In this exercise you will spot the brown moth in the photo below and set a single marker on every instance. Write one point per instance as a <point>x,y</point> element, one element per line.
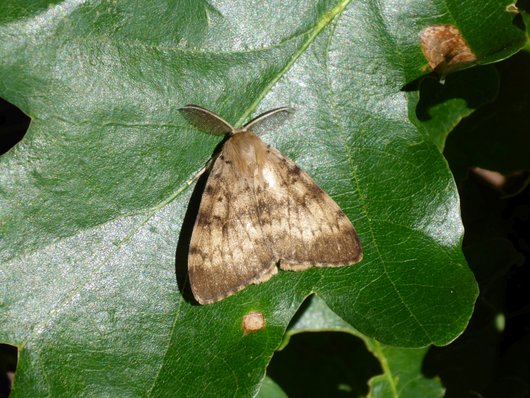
<point>445,49</point>
<point>260,210</point>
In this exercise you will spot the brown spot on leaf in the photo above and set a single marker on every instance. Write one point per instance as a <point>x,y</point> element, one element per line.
<point>445,49</point>
<point>253,321</point>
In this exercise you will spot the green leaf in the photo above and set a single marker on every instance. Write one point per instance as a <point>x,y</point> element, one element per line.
<point>402,376</point>
<point>269,389</point>
<point>94,199</point>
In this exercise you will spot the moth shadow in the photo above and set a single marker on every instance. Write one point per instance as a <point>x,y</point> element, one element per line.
<point>183,245</point>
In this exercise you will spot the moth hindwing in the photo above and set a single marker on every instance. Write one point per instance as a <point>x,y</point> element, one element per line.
<point>260,210</point>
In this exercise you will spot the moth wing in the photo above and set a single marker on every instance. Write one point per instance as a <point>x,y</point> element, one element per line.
<point>307,227</point>
<point>228,249</point>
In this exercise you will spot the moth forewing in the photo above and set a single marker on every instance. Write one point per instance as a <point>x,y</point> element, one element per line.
<point>308,228</point>
<point>228,250</point>
<point>260,210</point>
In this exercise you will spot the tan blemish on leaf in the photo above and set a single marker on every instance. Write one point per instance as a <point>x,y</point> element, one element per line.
<point>445,49</point>
<point>253,321</point>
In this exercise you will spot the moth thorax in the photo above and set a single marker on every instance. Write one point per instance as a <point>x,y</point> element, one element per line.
<point>246,151</point>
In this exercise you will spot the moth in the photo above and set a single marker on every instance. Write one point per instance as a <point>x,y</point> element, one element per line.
<point>258,211</point>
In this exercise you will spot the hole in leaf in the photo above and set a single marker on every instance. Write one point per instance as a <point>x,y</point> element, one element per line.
<point>327,364</point>
<point>13,125</point>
